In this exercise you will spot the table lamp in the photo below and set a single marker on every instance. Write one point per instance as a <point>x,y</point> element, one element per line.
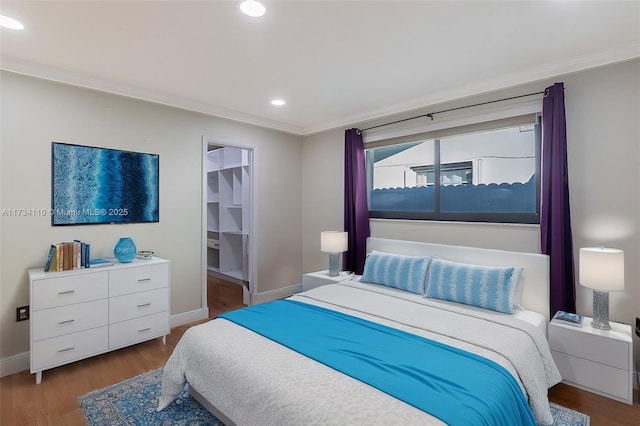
<point>601,269</point>
<point>334,243</point>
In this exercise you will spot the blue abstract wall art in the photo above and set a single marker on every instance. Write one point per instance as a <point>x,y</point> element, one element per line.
<point>91,185</point>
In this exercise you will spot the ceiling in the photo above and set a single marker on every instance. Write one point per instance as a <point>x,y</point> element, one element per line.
<point>336,63</point>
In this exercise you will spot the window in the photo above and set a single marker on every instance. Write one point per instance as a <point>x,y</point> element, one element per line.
<point>486,173</point>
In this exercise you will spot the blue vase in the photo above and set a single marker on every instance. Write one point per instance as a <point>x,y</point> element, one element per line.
<point>125,250</point>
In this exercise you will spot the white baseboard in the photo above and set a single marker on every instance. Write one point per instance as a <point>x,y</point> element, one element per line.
<point>14,364</point>
<point>189,317</point>
<point>280,293</point>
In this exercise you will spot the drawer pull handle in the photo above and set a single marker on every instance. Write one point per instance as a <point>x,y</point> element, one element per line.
<point>143,279</point>
<point>66,321</point>
<point>70,348</point>
<point>142,305</point>
<point>67,292</point>
<point>141,330</point>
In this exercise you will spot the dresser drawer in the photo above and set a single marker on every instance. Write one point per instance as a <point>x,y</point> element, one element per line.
<point>48,323</point>
<point>136,305</point>
<point>70,347</point>
<point>611,352</point>
<point>142,278</point>
<point>602,379</point>
<point>66,290</point>
<point>126,333</point>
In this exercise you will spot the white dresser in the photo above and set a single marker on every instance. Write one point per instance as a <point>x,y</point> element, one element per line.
<point>599,361</point>
<point>85,312</point>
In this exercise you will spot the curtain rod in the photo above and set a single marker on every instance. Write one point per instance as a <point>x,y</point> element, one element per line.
<point>431,114</point>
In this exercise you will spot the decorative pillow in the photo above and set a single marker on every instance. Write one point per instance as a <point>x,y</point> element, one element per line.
<point>393,270</point>
<point>487,287</point>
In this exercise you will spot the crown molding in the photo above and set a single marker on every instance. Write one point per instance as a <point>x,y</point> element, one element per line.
<point>547,71</point>
<point>32,69</point>
<point>568,66</point>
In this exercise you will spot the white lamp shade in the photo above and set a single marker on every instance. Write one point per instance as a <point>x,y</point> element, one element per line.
<point>333,241</point>
<point>602,268</point>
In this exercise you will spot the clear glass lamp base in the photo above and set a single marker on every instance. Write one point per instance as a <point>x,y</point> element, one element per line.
<point>600,310</point>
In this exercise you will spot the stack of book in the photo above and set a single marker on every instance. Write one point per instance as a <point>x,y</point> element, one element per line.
<point>568,318</point>
<point>67,256</point>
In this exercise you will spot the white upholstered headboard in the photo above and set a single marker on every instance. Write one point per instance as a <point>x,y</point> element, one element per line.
<point>535,285</point>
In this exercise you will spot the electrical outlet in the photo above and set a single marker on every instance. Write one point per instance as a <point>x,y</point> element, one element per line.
<point>22,313</point>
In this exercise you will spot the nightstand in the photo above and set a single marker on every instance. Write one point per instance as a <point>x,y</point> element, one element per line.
<point>316,279</point>
<point>599,361</point>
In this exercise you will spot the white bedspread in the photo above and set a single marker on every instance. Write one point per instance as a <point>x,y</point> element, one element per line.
<point>255,381</point>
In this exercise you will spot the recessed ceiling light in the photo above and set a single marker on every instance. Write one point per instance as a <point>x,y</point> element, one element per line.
<point>11,23</point>
<point>252,8</point>
<point>278,102</point>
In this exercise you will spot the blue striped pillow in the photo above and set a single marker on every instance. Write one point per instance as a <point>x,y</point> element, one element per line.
<point>483,286</point>
<point>393,270</point>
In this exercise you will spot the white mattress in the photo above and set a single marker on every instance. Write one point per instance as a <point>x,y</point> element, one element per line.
<point>255,381</point>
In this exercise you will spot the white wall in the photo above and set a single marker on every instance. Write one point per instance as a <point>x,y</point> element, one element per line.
<point>323,196</point>
<point>36,112</point>
<point>603,130</point>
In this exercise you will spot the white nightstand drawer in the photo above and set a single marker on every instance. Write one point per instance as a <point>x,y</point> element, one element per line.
<point>126,333</point>
<point>604,350</point>
<point>595,377</point>
<point>70,347</point>
<point>133,280</point>
<point>69,289</point>
<point>69,319</point>
<point>136,305</point>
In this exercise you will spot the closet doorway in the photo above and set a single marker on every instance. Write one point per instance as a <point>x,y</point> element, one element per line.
<point>227,227</point>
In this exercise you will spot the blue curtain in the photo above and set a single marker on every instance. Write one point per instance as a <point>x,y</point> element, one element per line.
<point>356,210</point>
<point>555,219</point>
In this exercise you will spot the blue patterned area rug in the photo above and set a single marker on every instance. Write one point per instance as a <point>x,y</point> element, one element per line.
<point>563,416</point>
<point>133,402</point>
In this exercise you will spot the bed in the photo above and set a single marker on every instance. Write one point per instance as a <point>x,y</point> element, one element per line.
<point>320,356</point>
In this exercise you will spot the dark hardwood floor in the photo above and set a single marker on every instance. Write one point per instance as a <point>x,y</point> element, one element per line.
<point>54,401</point>
<point>603,411</point>
<point>222,295</point>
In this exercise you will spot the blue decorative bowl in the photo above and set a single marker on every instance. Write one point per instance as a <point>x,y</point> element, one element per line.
<point>125,250</point>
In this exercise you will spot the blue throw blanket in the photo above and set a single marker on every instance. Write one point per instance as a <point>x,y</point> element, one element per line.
<point>458,387</point>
